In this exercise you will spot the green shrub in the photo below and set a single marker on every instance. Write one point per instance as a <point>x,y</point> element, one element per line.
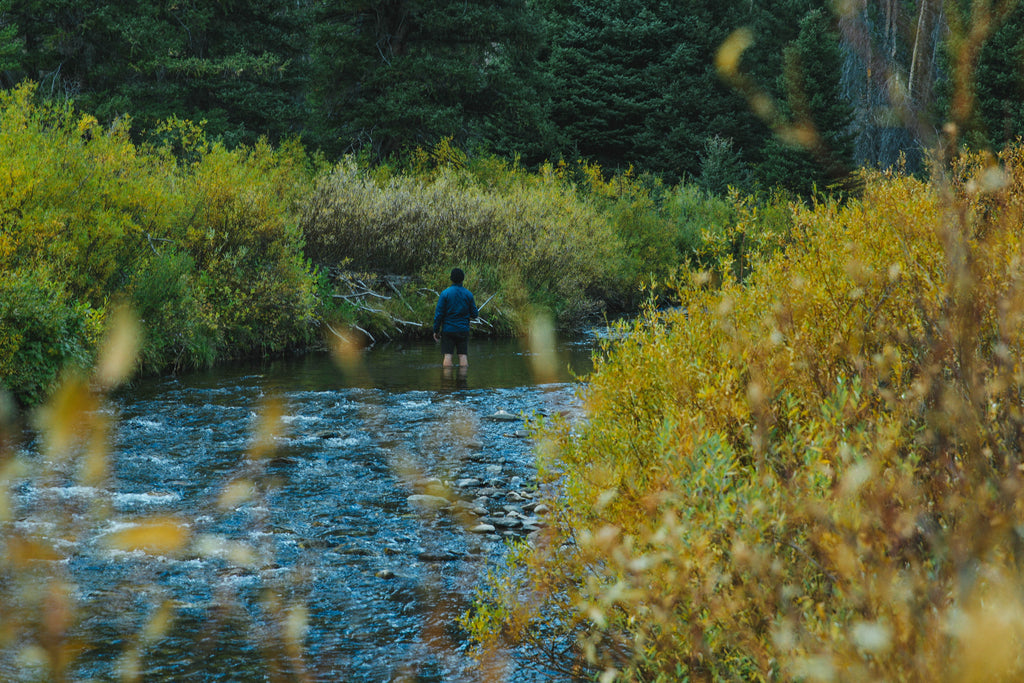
<point>42,334</point>
<point>241,228</point>
<point>700,220</point>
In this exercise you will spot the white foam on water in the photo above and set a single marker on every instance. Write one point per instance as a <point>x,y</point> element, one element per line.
<point>301,419</point>
<point>72,492</point>
<point>132,500</point>
<point>152,425</point>
<point>414,404</point>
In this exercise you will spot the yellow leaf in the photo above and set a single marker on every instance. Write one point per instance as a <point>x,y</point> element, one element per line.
<point>156,535</point>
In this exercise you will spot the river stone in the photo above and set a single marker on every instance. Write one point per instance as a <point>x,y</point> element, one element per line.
<point>516,482</point>
<point>491,491</point>
<point>483,528</point>
<point>541,509</point>
<point>355,551</point>
<point>503,416</point>
<point>493,469</point>
<point>468,482</point>
<point>426,502</point>
<point>471,508</point>
<point>506,522</point>
<point>520,433</point>
<point>442,556</point>
<point>385,574</point>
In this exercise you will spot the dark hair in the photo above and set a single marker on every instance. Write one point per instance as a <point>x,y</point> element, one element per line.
<point>458,276</point>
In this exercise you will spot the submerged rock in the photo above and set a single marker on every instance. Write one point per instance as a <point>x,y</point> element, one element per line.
<point>441,556</point>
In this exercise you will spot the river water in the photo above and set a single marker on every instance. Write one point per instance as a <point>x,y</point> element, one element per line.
<point>327,550</point>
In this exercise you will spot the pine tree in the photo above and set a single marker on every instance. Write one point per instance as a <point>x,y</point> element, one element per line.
<point>10,44</point>
<point>395,74</point>
<point>813,144</point>
<point>639,84</point>
<point>999,85</point>
<point>634,79</point>
<point>235,65</point>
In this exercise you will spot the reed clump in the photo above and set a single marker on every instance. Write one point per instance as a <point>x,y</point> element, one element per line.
<point>813,474</point>
<point>531,239</point>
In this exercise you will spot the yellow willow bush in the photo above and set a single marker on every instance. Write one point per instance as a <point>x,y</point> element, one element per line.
<point>74,195</point>
<point>202,240</point>
<point>815,475</point>
<point>243,233</point>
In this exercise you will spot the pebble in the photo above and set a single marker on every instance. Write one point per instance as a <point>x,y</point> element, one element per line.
<point>497,508</point>
<point>503,416</point>
<point>490,491</point>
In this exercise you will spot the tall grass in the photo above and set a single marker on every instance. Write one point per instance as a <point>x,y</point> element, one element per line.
<point>532,240</point>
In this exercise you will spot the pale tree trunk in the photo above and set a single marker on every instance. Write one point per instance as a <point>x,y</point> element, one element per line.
<point>891,95</point>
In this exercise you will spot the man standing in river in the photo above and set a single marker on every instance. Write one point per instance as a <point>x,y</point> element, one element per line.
<point>455,308</point>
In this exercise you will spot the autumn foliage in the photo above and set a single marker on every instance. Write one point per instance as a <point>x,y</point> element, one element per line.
<point>202,241</point>
<point>814,474</point>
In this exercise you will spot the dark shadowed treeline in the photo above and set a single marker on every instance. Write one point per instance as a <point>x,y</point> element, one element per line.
<point>620,84</point>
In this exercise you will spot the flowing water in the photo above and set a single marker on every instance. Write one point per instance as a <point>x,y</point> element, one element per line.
<point>328,547</point>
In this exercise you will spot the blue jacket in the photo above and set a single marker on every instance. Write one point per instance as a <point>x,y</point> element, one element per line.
<point>455,308</point>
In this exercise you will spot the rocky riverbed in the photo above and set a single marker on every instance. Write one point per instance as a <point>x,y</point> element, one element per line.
<point>386,498</point>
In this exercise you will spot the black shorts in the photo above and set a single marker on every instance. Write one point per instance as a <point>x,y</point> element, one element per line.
<point>455,342</point>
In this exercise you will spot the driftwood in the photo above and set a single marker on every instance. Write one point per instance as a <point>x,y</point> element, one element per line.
<point>357,289</point>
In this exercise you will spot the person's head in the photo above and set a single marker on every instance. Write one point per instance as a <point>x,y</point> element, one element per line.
<point>458,276</point>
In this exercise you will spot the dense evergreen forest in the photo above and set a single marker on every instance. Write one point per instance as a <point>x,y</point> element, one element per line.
<point>622,83</point>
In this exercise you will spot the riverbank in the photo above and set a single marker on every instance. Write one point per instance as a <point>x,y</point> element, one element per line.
<point>257,251</point>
